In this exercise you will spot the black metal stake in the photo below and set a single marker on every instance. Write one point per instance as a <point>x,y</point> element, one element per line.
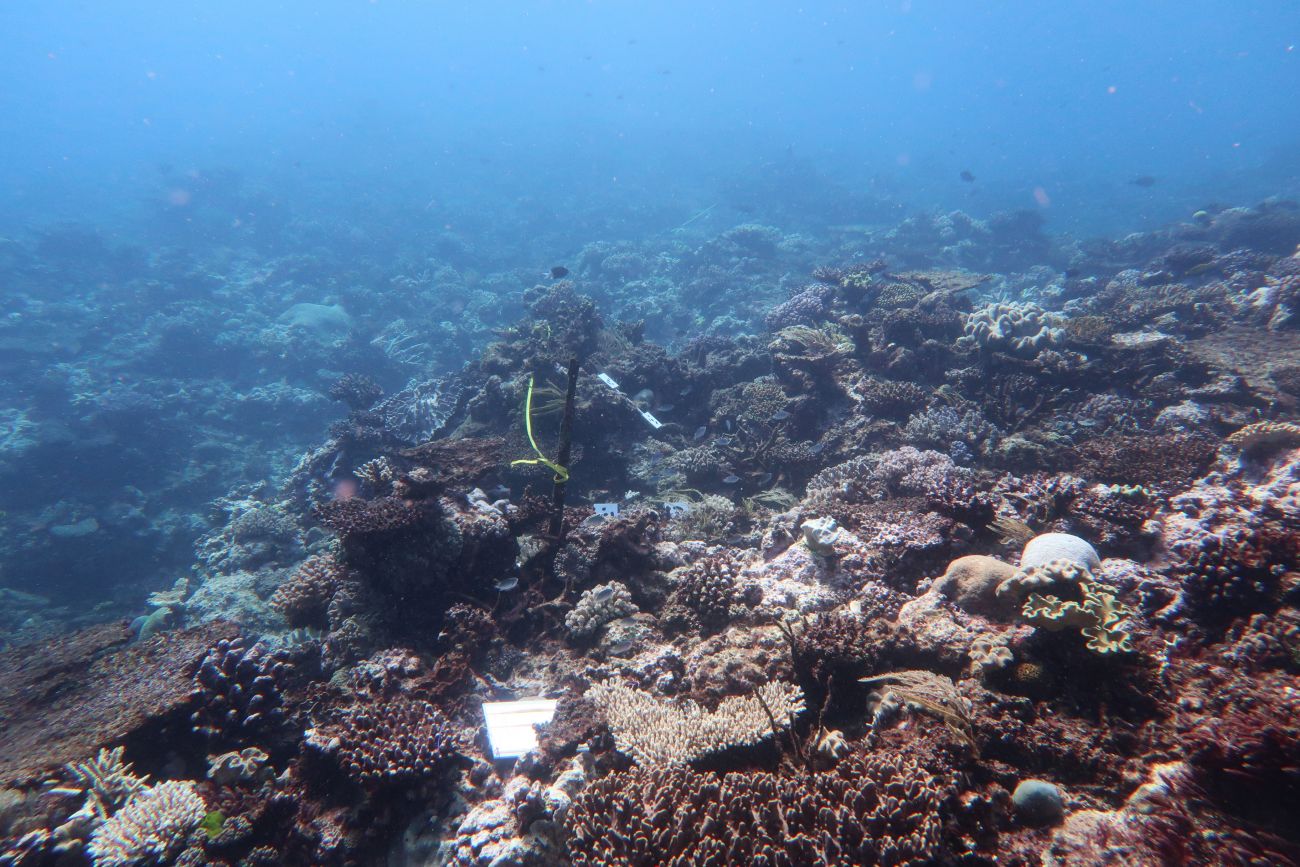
<point>556,528</point>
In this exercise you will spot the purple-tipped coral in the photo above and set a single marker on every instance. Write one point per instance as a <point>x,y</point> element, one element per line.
<point>238,687</point>
<point>400,740</point>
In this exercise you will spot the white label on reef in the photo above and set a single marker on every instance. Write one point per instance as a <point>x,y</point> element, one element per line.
<point>510,724</point>
<point>606,510</point>
<point>651,420</point>
<point>608,380</point>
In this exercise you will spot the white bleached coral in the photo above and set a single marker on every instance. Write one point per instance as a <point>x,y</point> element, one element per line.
<point>152,826</point>
<point>598,606</point>
<point>1021,328</point>
<point>656,733</point>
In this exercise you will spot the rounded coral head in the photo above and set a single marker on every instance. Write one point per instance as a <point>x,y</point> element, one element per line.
<point>1043,549</point>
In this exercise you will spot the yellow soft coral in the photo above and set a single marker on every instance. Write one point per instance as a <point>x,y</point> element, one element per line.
<point>1099,615</point>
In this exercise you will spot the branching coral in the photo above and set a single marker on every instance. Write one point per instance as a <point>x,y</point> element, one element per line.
<point>867,810</point>
<point>399,741</point>
<point>656,733</point>
<point>303,598</point>
<point>109,782</point>
<point>596,607</point>
<point>152,826</point>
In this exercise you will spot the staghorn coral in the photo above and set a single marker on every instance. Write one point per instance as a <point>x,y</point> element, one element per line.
<point>866,810</point>
<point>109,782</point>
<point>1158,461</point>
<point>400,741</point>
<point>1236,570</point>
<point>357,517</point>
<point>377,474</point>
<point>903,472</point>
<point>151,827</point>
<point>887,397</point>
<point>655,733</point>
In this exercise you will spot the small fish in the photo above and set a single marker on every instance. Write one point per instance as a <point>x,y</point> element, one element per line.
<point>967,176</point>
<point>780,415</point>
<point>728,425</point>
<point>499,492</point>
<point>725,441</point>
<point>731,479</point>
<point>604,593</point>
<point>667,407</point>
<point>559,272</point>
<point>701,432</point>
<point>763,479</point>
<point>1143,181</point>
<point>817,449</point>
<point>505,585</point>
<point>620,646</point>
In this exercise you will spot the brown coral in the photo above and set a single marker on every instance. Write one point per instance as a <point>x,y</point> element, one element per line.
<point>868,810</point>
<point>399,741</point>
<point>303,598</point>
<point>64,699</point>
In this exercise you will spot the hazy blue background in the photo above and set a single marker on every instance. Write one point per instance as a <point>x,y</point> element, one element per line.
<point>644,113</point>
<point>175,178</point>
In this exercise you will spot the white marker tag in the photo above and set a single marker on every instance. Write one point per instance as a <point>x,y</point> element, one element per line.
<point>510,724</point>
<point>607,510</point>
<point>651,420</point>
<point>608,380</point>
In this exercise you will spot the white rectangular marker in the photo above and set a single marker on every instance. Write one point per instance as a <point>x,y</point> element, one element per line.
<point>510,724</point>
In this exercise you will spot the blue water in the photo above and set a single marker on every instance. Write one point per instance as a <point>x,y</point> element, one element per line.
<point>177,176</point>
<point>627,116</point>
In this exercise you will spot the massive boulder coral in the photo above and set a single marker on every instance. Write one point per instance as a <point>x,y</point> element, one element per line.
<point>1021,328</point>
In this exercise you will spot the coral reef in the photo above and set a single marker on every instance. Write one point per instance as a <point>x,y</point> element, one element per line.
<point>153,825</point>
<point>657,734</point>
<point>866,810</point>
<point>910,564</point>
